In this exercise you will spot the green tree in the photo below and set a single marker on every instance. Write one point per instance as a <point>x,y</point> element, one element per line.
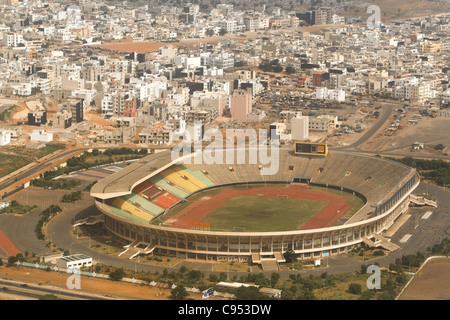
<point>117,274</point>
<point>354,288</point>
<point>222,32</point>
<point>248,293</point>
<point>274,279</point>
<point>290,69</point>
<point>11,261</point>
<point>209,32</point>
<point>179,293</point>
<point>289,256</point>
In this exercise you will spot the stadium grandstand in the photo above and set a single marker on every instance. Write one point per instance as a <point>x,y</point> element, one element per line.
<point>137,202</point>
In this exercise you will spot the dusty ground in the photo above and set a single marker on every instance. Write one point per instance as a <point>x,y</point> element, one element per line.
<point>432,282</point>
<point>398,9</point>
<point>428,131</point>
<point>154,46</point>
<point>101,287</point>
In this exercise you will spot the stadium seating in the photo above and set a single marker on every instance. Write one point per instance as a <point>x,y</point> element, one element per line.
<point>182,179</point>
<point>126,206</point>
<point>143,204</point>
<point>172,188</point>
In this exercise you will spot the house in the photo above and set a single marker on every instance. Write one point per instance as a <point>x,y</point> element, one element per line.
<point>41,135</point>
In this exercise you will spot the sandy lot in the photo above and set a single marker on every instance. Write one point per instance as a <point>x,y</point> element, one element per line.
<point>154,46</point>
<point>432,282</point>
<point>428,131</point>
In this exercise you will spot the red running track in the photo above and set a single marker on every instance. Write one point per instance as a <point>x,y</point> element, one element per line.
<point>327,217</point>
<point>7,246</point>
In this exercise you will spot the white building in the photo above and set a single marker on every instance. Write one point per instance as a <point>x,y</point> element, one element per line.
<point>228,25</point>
<point>75,261</point>
<point>5,138</point>
<point>326,94</point>
<point>12,39</point>
<point>300,128</point>
<point>41,135</point>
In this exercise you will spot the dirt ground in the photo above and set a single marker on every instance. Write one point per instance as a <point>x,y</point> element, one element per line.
<point>103,287</point>
<point>432,282</point>
<point>398,9</point>
<point>154,46</point>
<point>428,131</point>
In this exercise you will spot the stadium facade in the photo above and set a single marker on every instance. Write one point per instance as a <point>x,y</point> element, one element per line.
<point>134,199</point>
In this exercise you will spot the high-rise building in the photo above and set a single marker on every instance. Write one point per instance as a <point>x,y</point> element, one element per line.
<point>240,104</point>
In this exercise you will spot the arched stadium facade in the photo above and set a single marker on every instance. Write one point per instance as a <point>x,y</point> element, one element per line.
<point>384,185</point>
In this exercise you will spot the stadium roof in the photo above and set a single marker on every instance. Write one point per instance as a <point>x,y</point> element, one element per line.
<point>123,181</point>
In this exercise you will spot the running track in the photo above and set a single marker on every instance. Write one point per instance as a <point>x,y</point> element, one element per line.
<point>327,217</point>
<point>7,246</point>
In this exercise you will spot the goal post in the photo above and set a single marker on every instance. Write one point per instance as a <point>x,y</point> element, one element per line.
<point>282,196</point>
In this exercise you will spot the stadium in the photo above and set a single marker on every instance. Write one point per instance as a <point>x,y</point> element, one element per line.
<point>317,204</point>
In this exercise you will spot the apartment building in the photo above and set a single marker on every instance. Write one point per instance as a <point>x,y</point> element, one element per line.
<point>157,136</point>
<point>12,39</point>
<point>240,104</point>
<point>122,135</point>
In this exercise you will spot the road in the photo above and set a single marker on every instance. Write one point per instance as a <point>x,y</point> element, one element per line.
<point>32,291</point>
<point>386,111</point>
<point>41,166</point>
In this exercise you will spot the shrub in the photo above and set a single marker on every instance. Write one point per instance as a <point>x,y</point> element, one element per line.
<point>354,288</point>
<point>117,274</point>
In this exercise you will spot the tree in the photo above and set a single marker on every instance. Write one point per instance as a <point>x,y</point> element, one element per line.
<point>223,32</point>
<point>354,288</point>
<point>274,279</point>
<point>11,261</point>
<point>290,69</point>
<point>248,293</point>
<point>179,293</point>
<point>209,32</point>
<point>117,274</point>
<point>289,256</point>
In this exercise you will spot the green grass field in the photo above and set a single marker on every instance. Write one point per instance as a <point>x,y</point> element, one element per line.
<point>259,214</point>
<point>11,163</point>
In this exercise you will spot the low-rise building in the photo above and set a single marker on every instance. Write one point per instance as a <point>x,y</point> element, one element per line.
<point>75,261</point>
<point>41,135</point>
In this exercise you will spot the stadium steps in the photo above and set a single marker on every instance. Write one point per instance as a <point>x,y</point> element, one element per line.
<point>89,221</point>
<point>279,257</point>
<point>130,251</point>
<point>380,241</point>
<point>269,265</point>
<point>421,201</point>
<point>385,243</point>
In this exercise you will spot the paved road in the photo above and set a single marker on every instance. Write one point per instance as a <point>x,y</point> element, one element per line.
<point>38,168</point>
<point>27,290</point>
<point>386,111</point>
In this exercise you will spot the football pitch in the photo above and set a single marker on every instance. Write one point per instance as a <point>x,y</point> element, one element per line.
<point>259,214</point>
